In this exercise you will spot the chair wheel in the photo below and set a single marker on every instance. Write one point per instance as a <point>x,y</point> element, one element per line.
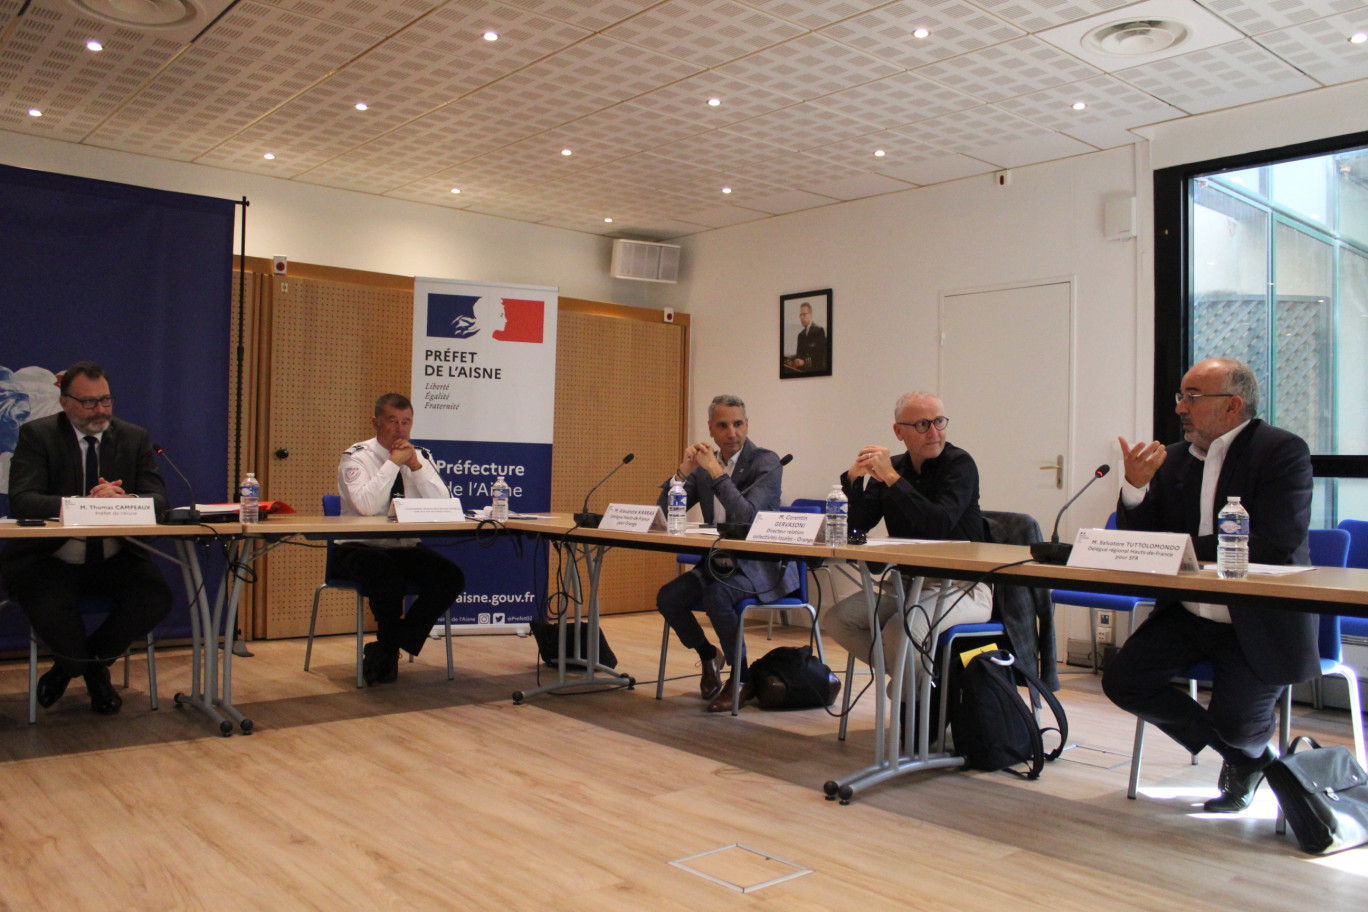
<point>246,726</point>
<point>517,698</point>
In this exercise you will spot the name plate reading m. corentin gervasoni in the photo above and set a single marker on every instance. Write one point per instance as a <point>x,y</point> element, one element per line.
<point>785,528</point>
<point>633,518</point>
<point>108,511</point>
<point>427,509</point>
<point>1165,553</point>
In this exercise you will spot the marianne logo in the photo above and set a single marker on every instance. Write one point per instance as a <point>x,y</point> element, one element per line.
<point>490,317</point>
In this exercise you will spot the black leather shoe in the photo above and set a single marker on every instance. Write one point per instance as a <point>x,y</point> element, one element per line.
<point>104,699</point>
<point>723,701</point>
<point>710,682</point>
<point>51,686</point>
<point>379,663</point>
<point>1239,782</point>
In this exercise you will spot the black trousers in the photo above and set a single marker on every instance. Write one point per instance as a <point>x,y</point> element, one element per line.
<point>386,575</point>
<point>1238,722</point>
<point>49,592</point>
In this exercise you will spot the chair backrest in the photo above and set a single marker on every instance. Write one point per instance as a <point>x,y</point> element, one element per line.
<point>1328,547</point>
<point>1358,542</point>
<point>332,506</point>
<point>804,502</point>
<point>1111,520</point>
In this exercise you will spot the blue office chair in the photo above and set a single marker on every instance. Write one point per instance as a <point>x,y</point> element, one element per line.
<point>1329,548</point>
<point>1358,557</point>
<point>332,506</point>
<point>782,605</point>
<point>1095,602</point>
<point>92,605</point>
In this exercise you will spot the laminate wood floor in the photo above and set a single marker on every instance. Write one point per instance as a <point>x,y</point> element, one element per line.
<point>429,794</point>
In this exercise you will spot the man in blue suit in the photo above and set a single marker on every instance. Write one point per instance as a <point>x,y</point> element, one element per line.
<point>1255,652</point>
<point>731,479</point>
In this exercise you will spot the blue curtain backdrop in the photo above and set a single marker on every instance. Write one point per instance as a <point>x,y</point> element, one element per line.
<point>139,280</point>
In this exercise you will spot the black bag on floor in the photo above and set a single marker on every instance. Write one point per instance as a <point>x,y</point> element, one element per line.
<point>1324,794</point>
<point>993,726</point>
<point>547,636</point>
<point>791,677</point>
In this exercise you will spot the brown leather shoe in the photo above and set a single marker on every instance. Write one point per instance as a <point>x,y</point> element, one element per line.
<point>710,681</point>
<point>723,701</point>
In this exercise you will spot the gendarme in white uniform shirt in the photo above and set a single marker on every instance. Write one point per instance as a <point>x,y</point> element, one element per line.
<point>1212,460</point>
<point>365,477</point>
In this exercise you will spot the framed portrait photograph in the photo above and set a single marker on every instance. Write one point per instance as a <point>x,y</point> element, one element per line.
<point>805,334</point>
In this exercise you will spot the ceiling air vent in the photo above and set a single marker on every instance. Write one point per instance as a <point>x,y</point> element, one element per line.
<point>645,261</point>
<point>1137,37</point>
<point>146,14</point>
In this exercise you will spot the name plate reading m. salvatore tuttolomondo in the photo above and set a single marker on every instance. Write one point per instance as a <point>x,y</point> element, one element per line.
<point>785,528</point>
<point>1167,553</point>
<point>108,511</point>
<point>427,509</point>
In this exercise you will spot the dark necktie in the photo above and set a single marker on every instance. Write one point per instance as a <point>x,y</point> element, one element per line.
<point>94,546</point>
<point>397,489</point>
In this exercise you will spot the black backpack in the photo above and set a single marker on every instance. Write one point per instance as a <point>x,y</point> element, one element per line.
<point>993,726</point>
<point>791,677</point>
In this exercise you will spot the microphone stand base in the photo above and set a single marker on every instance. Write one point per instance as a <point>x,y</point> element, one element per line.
<point>588,520</point>
<point>1051,552</point>
<point>182,516</point>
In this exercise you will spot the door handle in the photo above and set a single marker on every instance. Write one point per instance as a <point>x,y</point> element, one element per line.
<point>1058,468</point>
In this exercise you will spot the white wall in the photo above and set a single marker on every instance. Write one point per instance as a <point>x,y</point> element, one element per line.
<point>311,224</point>
<point>888,260</point>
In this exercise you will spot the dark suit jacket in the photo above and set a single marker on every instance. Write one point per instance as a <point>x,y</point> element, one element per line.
<point>1269,469</point>
<point>812,348</point>
<point>47,466</point>
<point>754,485</point>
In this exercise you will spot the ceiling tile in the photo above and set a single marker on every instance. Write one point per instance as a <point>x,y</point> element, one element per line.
<point>1016,67</point>
<point>1254,17</point>
<point>1321,49</point>
<point>895,100</point>
<point>1034,15</point>
<point>814,14</point>
<point>800,127</point>
<point>994,135</point>
<point>688,99</point>
<point>956,28</point>
<point>594,15</point>
<point>704,32</point>
<point>808,67</point>
<point>1113,107</point>
<point>1219,77</point>
<point>379,16</point>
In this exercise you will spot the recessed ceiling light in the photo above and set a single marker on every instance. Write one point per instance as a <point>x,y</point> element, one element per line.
<point>921,33</point>
<point>726,189</point>
<point>567,152</point>
<point>608,220</point>
<point>269,156</point>
<point>455,189</point>
<point>34,112</point>
<point>93,45</point>
<point>879,153</point>
<point>491,36</point>
<point>362,106</point>
<point>1358,38</point>
<point>1079,105</point>
<point>714,102</point>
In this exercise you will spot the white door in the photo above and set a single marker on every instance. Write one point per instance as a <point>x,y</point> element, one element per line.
<point>1005,364</point>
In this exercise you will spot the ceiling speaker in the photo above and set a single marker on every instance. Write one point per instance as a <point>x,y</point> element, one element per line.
<point>645,261</point>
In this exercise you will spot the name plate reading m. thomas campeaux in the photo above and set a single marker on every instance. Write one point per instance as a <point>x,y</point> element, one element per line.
<point>1166,553</point>
<point>427,509</point>
<point>785,528</point>
<point>633,518</point>
<point>108,511</point>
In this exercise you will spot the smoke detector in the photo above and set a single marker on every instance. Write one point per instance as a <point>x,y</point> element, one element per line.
<point>1142,33</point>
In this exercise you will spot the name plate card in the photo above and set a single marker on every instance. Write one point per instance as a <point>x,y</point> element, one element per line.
<point>786,528</point>
<point>1167,553</point>
<point>427,509</point>
<point>108,511</point>
<point>633,518</point>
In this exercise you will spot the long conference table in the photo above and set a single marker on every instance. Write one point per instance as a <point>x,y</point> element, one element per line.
<point>1318,590</point>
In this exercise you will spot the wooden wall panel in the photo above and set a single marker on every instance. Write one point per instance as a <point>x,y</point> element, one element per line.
<point>618,390</point>
<point>330,340</point>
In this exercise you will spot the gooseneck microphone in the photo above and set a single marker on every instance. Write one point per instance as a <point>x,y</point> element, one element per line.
<point>1052,552</point>
<point>788,457</point>
<point>591,520</point>
<point>180,516</point>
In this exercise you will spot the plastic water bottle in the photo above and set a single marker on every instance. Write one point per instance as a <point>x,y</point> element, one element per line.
<point>837,506</point>
<point>1232,532</point>
<point>677,513</point>
<point>249,493</point>
<point>501,492</point>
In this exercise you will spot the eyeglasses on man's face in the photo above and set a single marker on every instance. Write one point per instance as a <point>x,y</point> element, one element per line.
<point>93,402</point>
<point>1190,398</point>
<point>923,425</point>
